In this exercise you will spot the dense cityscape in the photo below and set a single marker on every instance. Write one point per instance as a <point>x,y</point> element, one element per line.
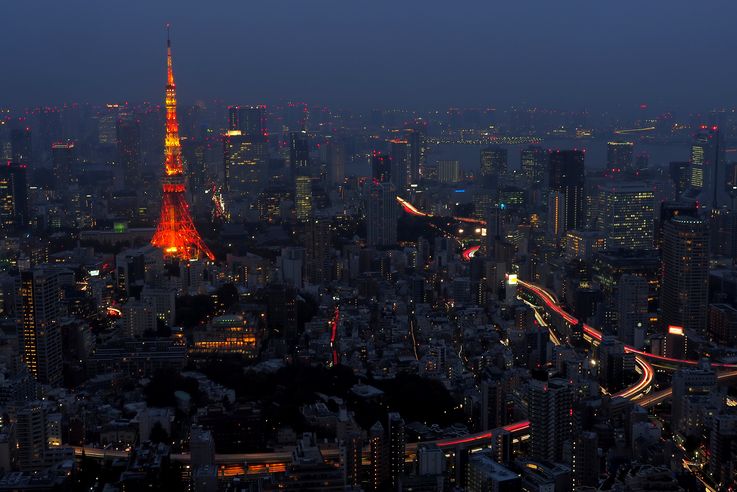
<point>246,295</point>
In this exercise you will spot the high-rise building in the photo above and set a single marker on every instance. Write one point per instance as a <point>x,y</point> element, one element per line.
<point>246,159</point>
<point>249,120</point>
<point>684,286</point>
<point>299,154</point>
<point>449,171</point>
<point>708,167</point>
<point>39,336</point>
<point>632,309</point>
<point>401,171</point>
<point>128,132</point>
<point>619,156</point>
<point>317,251</point>
<point>379,459</point>
<point>585,462</point>
<point>63,159</point>
<point>690,385</point>
<point>493,161</point>
<point>417,139</point>
<point>680,175</point>
<point>533,160</point>
<point>13,196</point>
<point>381,167</point>
<point>303,198</point>
<point>626,215</point>
<point>483,474</point>
<point>396,442</point>
<point>566,199</point>
<point>335,155</point>
<point>381,215</point>
<point>722,445</point>
<point>549,409</point>
<point>20,145</point>
<point>31,436</point>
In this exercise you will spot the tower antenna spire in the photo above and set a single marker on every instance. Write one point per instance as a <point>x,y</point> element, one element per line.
<point>167,26</point>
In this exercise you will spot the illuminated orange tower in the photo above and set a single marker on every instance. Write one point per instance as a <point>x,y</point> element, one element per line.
<point>176,234</point>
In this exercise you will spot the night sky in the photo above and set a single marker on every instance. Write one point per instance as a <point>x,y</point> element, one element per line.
<point>569,54</point>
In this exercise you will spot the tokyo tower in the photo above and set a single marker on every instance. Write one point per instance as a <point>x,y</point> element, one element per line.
<point>175,234</point>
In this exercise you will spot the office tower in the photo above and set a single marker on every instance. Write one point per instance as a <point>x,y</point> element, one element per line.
<point>378,455</point>
<point>299,154</point>
<point>13,197</point>
<point>483,474</point>
<point>396,447</point>
<point>449,171</point>
<point>680,175</point>
<point>585,462</point>
<point>626,215</point>
<point>549,410</point>
<point>175,233</point>
<point>106,125</point>
<point>632,309</point>
<point>723,449</point>
<point>619,156</point>
<point>303,198</point>
<point>668,210</point>
<point>401,172</point>
<point>137,318</point>
<point>128,137</point>
<point>63,160</point>
<point>381,215</point>
<point>39,336</point>
<point>417,139</point>
<point>20,145</point>
<point>707,167</point>
<point>381,167</point>
<point>493,161</point>
<point>249,120</point>
<point>335,155</point>
<point>566,199</point>
<point>431,459</point>
<point>614,363</point>
<point>684,285</point>
<point>723,323</point>
<point>31,436</point>
<point>296,116</point>
<point>533,160</point>
<point>690,385</point>
<point>201,447</point>
<point>352,457</point>
<point>317,251</point>
<point>494,409</point>
<point>245,160</point>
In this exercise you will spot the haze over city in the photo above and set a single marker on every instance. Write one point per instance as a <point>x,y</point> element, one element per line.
<point>409,246</point>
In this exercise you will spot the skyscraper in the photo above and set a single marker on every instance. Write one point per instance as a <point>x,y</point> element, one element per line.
<point>493,161</point>
<point>619,156</point>
<point>566,200</point>
<point>401,172</point>
<point>317,250</point>
<point>20,145</point>
<point>680,175</point>
<point>632,309</point>
<point>63,158</point>
<point>533,160</point>
<point>39,335</point>
<point>417,139</point>
<point>299,154</point>
<point>449,171</point>
<point>303,198</point>
<point>249,120</point>
<point>684,286</point>
<point>381,167</point>
<point>245,160</point>
<point>128,132</point>
<point>13,196</point>
<point>707,167</point>
<point>396,442</point>
<point>626,215</point>
<point>381,215</point>
<point>549,410</point>
<point>335,155</point>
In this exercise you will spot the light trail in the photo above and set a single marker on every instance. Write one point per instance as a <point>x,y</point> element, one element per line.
<point>552,304</point>
<point>333,334</point>
<point>469,253</point>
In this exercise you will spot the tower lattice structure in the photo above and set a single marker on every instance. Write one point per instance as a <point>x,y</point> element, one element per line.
<point>175,234</point>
